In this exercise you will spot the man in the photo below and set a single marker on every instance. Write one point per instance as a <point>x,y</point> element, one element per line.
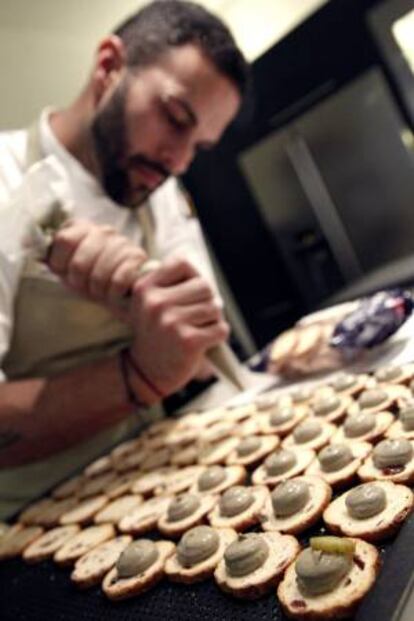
<point>84,341</point>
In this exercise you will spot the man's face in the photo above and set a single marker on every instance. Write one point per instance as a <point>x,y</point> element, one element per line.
<point>155,120</point>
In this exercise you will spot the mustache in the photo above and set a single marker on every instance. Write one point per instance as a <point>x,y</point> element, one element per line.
<point>141,160</point>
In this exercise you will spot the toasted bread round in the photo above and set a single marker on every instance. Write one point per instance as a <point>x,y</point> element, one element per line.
<point>51,515</point>
<point>343,476</point>
<point>299,413</point>
<point>402,474</point>
<point>122,484</point>
<point>400,500</point>
<point>267,445</point>
<point>31,514</point>
<point>336,604</point>
<point>93,487</point>
<point>116,588</point>
<point>394,393</point>
<point>148,482</point>
<point>82,542</point>
<point>383,420</point>
<point>48,543</point>
<point>185,457</point>
<point>201,571</point>
<point>84,511</point>
<point>303,458</point>
<point>68,488</point>
<point>353,390</point>
<point>145,517</point>
<point>235,475</point>
<point>328,430</point>
<point>338,413</point>
<point>244,520</point>
<point>217,453</point>
<point>102,465</point>
<point>282,348</point>
<point>177,528</point>
<point>396,430</point>
<point>17,539</point>
<point>179,481</point>
<point>114,511</point>
<point>91,568</point>
<point>320,497</point>
<point>283,549</point>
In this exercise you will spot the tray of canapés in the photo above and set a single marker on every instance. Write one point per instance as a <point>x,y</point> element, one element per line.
<point>232,491</point>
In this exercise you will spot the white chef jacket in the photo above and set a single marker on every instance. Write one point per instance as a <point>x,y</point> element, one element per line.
<point>174,231</point>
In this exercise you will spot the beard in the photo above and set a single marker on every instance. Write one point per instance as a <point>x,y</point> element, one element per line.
<point>109,137</point>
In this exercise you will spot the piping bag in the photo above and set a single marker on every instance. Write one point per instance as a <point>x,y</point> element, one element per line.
<point>36,212</point>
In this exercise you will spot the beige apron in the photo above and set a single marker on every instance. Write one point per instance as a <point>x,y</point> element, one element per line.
<point>54,331</point>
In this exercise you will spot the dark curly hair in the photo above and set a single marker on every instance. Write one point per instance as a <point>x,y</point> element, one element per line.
<point>170,23</point>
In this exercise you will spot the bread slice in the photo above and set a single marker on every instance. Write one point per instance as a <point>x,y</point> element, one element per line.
<point>102,465</point>
<point>217,453</point>
<point>84,511</point>
<point>177,573</point>
<point>149,481</point>
<point>51,515</point>
<point>16,539</point>
<point>328,430</point>
<point>344,476</point>
<point>368,472</point>
<point>268,444</point>
<point>178,481</point>
<point>235,475</point>
<point>145,517</point>
<point>30,515</point>
<point>176,529</point>
<point>303,456</point>
<point>116,588</point>
<point>343,600</point>
<point>340,411</point>
<point>81,543</point>
<point>299,413</point>
<point>283,550</point>
<point>122,484</point>
<point>320,497</point>
<point>396,430</point>
<point>91,568</point>
<point>69,487</point>
<point>357,388</point>
<point>48,543</point>
<point>400,502</point>
<point>115,510</point>
<point>185,457</point>
<point>247,518</point>
<point>383,420</point>
<point>93,487</point>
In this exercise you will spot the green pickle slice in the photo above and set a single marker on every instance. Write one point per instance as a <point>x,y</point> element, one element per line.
<point>333,545</point>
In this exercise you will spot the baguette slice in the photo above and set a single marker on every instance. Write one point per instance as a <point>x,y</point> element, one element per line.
<point>343,600</point>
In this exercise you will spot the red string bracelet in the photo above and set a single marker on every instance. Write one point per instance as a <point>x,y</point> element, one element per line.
<point>141,374</point>
<point>132,397</point>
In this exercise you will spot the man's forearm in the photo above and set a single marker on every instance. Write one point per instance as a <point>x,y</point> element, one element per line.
<point>42,416</point>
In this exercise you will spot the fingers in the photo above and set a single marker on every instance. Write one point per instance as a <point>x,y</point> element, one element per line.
<point>173,271</point>
<point>65,243</point>
<point>95,260</point>
<point>116,269</point>
<point>198,315</point>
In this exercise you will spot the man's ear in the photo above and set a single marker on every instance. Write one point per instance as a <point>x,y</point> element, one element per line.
<point>109,64</point>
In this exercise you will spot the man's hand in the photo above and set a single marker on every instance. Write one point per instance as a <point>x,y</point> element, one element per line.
<point>176,319</point>
<point>96,262</point>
